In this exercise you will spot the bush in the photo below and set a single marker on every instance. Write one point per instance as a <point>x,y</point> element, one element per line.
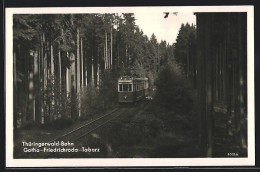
<point>98,99</point>
<point>173,91</point>
<point>90,103</point>
<point>108,89</point>
<point>56,102</point>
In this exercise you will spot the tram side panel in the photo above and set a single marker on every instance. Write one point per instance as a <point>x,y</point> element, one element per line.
<point>140,94</point>
<point>140,90</point>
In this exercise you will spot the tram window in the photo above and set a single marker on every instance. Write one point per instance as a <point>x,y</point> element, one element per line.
<point>129,87</point>
<point>120,87</point>
<point>125,87</point>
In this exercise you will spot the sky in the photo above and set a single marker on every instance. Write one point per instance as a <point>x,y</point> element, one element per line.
<point>163,28</point>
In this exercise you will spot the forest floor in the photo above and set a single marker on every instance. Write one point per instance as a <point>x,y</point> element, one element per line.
<point>226,142</point>
<point>44,134</point>
<point>144,131</point>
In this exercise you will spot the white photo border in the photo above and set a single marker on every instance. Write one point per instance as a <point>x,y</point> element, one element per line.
<point>129,162</point>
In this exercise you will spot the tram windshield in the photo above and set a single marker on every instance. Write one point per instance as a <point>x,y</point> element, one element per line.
<point>125,87</point>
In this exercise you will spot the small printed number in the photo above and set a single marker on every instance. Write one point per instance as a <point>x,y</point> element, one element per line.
<point>232,154</point>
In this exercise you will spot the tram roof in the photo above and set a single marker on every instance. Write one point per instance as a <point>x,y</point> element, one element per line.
<point>129,79</point>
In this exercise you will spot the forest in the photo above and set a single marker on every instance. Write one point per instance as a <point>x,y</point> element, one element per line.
<point>66,66</point>
<point>66,69</point>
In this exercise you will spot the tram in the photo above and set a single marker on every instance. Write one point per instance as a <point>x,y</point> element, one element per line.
<point>132,89</point>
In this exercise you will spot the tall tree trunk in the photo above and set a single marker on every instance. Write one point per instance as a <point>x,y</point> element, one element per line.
<point>200,20</point>
<point>117,33</point>
<point>73,87</point>
<point>92,73</point>
<point>15,114</point>
<point>125,64</point>
<point>48,72</point>
<point>42,81</point>
<point>98,78</point>
<point>60,91</point>
<point>229,76</point>
<point>118,57</point>
<point>45,78</point>
<point>59,79</point>
<point>68,78</point>
<point>106,59</point>
<point>111,49</point>
<point>36,86</point>
<point>78,72</point>
<point>52,105</point>
<point>105,65</point>
<point>86,68</point>
<point>52,61</point>
<point>242,90</point>
<point>39,99</point>
<point>31,101</point>
<point>82,64</point>
<point>25,89</point>
<point>209,101</point>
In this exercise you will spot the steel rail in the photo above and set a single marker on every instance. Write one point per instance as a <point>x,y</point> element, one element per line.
<point>70,132</point>
<point>77,129</point>
<point>83,135</point>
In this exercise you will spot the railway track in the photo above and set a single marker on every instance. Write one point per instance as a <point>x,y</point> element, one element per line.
<point>73,136</point>
<point>98,140</point>
<point>86,129</point>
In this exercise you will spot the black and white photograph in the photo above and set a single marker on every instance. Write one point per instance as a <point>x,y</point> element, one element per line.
<point>130,86</point>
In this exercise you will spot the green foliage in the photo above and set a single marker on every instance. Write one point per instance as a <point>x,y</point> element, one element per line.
<point>54,36</point>
<point>174,91</point>
<point>133,129</point>
<point>95,100</point>
<point>185,46</point>
<point>24,27</point>
<point>108,88</point>
<point>150,131</point>
<point>90,102</point>
<point>56,104</point>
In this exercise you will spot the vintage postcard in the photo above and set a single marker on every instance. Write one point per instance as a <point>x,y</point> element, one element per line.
<point>130,86</point>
